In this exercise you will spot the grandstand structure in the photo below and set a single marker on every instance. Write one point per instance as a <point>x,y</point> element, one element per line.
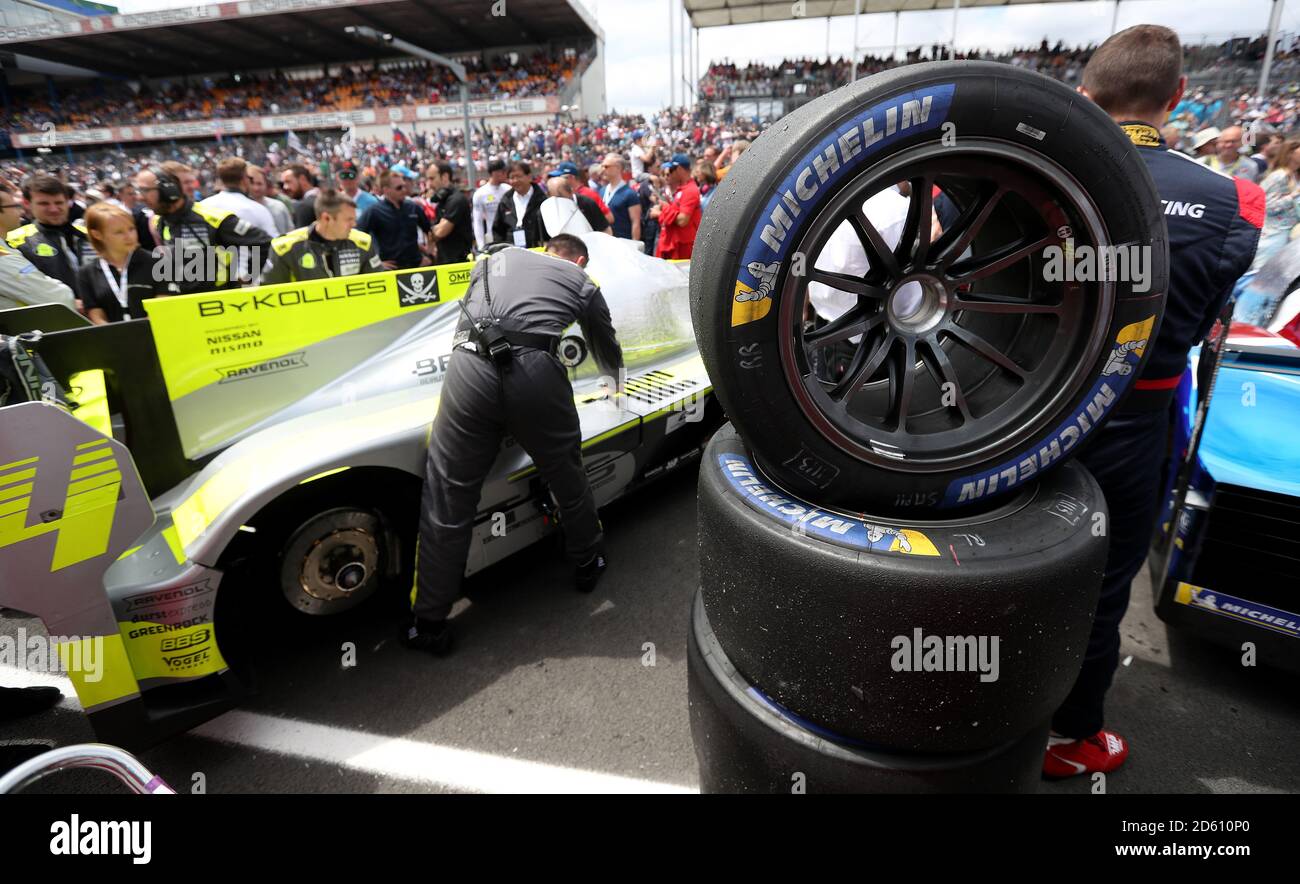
<point>100,65</point>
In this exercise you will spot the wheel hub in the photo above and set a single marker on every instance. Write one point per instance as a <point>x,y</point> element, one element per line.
<point>917,304</point>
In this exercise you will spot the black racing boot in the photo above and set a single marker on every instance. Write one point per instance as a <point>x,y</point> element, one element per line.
<point>18,702</point>
<point>588,573</point>
<point>433,636</point>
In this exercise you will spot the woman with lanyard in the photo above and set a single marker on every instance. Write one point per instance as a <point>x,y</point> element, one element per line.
<point>115,287</point>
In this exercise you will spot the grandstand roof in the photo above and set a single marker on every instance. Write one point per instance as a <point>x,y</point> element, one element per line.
<point>718,13</point>
<point>258,34</point>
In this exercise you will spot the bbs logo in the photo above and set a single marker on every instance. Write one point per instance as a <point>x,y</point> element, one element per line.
<point>181,642</point>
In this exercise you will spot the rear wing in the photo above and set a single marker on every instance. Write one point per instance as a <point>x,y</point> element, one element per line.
<point>71,505</point>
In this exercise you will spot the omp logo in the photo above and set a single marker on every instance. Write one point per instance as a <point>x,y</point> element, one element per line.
<point>418,288</point>
<point>84,524</point>
<point>181,642</point>
<point>264,367</point>
<point>459,277</point>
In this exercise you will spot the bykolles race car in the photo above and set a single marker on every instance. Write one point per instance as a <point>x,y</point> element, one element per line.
<point>295,418</point>
<point>1231,573</point>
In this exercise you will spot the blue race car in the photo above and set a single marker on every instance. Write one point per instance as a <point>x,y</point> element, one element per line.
<point>1232,573</point>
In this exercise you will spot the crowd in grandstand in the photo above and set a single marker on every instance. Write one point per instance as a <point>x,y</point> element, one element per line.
<point>658,158</point>
<point>345,87</point>
<point>806,76</point>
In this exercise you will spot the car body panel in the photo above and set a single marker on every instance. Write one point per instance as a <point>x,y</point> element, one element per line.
<point>366,372</point>
<point>1232,570</point>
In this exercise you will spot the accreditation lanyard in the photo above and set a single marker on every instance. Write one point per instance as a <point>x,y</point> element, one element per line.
<point>117,288</point>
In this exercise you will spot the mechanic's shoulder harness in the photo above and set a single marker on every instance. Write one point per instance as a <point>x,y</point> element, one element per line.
<point>487,336</point>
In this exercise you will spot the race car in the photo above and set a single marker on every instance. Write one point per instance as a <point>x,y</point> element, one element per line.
<point>294,418</point>
<point>1232,572</point>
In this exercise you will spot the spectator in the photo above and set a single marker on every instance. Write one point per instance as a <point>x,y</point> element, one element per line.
<point>1227,156</point>
<point>300,185</point>
<point>232,172</point>
<point>730,155</point>
<point>453,234</point>
<point>579,188</point>
<point>560,185</point>
<point>395,223</point>
<point>185,230</point>
<point>486,200</point>
<point>22,285</point>
<point>637,154</point>
<point>1173,136</point>
<point>1269,143</point>
<point>519,221</point>
<point>679,218</point>
<point>1204,144</point>
<point>362,199</point>
<point>115,287</point>
<point>329,247</point>
<point>186,175</point>
<point>55,244</point>
<point>706,178</point>
<point>257,190</point>
<point>1281,215</point>
<point>623,201</point>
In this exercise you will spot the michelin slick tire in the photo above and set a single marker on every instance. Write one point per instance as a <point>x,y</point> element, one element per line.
<point>961,369</point>
<point>745,743</point>
<point>835,616</point>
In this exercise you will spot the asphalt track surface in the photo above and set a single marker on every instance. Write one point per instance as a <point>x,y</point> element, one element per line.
<point>549,691</point>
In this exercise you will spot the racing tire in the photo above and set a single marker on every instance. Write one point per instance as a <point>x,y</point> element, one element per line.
<point>834,615</point>
<point>745,743</point>
<point>963,367</point>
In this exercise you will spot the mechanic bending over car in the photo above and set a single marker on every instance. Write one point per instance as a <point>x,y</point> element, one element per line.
<point>198,243</point>
<point>504,377</point>
<point>329,246</point>
<point>1136,77</point>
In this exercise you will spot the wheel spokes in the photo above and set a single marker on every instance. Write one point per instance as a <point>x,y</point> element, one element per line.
<point>914,244</point>
<point>957,238</point>
<point>942,369</point>
<point>855,322</point>
<point>992,304</point>
<point>853,284</point>
<point>879,254</point>
<point>999,259</point>
<point>902,381</point>
<point>985,349</point>
<point>862,368</point>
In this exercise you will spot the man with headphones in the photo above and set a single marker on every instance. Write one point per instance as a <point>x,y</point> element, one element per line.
<point>197,243</point>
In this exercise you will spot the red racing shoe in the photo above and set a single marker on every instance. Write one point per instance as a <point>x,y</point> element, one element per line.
<point>1102,752</point>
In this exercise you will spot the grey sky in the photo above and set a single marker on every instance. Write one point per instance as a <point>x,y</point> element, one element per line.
<point>636,33</point>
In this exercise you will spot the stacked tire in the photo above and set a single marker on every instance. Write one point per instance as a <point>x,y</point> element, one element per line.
<point>899,559</point>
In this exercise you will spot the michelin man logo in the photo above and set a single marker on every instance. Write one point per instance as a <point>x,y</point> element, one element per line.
<point>1131,340</point>
<point>1118,362</point>
<point>753,303</point>
<point>1206,600</point>
<point>877,533</point>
